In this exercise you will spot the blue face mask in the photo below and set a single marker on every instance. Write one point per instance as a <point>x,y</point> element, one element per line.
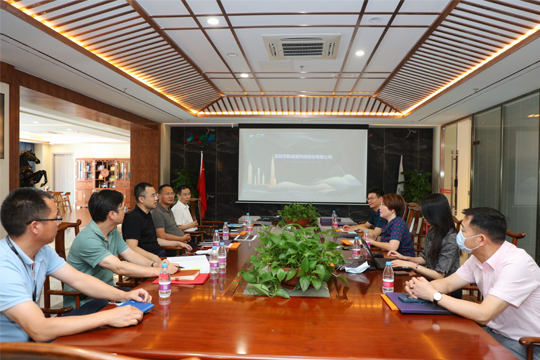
<point>460,239</point>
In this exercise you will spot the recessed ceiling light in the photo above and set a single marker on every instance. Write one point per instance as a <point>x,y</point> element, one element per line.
<point>68,129</point>
<point>213,21</point>
<point>244,75</point>
<point>375,19</point>
<point>534,115</point>
<point>232,54</point>
<point>360,53</point>
<point>35,122</point>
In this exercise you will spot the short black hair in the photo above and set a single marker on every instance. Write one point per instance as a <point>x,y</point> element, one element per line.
<point>160,189</point>
<point>488,221</point>
<point>376,190</point>
<point>182,187</point>
<point>23,205</point>
<point>140,190</point>
<point>101,203</point>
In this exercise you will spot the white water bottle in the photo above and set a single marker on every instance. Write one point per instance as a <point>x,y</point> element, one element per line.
<point>334,220</point>
<point>164,282</point>
<point>222,256</point>
<point>247,219</point>
<point>225,231</point>
<point>249,227</point>
<point>388,278</point>
<point>366,237</point>
<point>356,248</point>
<point>364,253</point>
<point>215,239</point>
<point>214,260</point>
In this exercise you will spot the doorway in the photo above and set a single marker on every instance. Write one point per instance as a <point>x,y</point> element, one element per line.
<point>64,172</point>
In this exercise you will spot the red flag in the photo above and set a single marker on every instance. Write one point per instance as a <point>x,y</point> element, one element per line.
<point>201,187</point>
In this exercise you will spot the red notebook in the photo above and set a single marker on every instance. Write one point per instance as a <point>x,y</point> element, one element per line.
<point>201,279</point>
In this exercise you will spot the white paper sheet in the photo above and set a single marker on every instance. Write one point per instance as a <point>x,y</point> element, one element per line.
<point>192,262</point>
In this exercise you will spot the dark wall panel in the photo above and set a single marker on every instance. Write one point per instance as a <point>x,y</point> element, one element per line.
<point>385,147</point>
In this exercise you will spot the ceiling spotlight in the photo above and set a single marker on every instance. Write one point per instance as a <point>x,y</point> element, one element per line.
<point>213,21</point>
<point>244,75</point>
<point>360,53</point>
<point>375,19</point>
<point>68,129</point>
<point>232,54</point>
<point>35,122</point>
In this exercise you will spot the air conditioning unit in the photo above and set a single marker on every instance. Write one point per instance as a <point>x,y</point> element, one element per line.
<point>308,47</point>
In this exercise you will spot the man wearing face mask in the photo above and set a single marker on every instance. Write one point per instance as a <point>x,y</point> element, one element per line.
<point>508,278</point>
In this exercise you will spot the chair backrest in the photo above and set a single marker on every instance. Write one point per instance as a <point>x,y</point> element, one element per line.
<point>458,223</point>
<point>60,239</point>
<point>515,237</point>
<point>417,225</point>
<point>412,212</point>
<point>194,204</point>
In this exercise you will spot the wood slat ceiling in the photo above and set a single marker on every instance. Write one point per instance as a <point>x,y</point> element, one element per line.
<point>412,56</point>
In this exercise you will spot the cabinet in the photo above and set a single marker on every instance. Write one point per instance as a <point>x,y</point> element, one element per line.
<point>98,174</point>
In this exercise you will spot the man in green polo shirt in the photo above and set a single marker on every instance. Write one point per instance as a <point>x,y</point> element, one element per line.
<point>95,250</point>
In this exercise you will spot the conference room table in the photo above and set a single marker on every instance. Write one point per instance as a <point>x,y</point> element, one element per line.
<point>218,321</point>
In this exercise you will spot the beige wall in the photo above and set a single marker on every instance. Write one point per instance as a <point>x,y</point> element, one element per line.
<point>4,163</point>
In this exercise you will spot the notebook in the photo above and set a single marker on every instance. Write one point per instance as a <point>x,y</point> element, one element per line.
<point>417,308</point>
<point>185,275</point>
<point>144,307</point>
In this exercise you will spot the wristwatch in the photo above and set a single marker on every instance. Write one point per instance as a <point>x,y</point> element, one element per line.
<point>437,297</point>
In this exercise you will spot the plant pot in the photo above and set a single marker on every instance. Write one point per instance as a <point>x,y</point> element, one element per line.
<point>303,222</point>
<point>293,282</point>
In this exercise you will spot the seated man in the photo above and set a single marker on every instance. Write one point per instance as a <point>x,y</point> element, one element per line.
<point>508,278</point>
<point>138,227</point>
<point>31,220</point>
<point>95,250</point>
<point>163,217</point>
<point>375,222</point>
<point>181,210</point>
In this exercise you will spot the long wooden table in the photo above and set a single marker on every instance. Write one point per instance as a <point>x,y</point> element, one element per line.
<point>216,321</point>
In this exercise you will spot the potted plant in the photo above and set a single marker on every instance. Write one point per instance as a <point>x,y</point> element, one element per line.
<point>301,214</point>
<point>296,253</point>
<point>417,185</point>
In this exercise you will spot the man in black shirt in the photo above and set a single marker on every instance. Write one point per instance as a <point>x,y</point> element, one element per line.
<point>138,227</point>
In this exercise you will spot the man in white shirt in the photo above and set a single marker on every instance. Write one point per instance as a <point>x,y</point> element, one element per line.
<point>181,211</point>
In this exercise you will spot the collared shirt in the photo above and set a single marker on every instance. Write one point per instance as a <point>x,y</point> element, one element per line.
<point>17,283</point>
<point>448,260</point>
<point>513,276</point>
<point>397,229</point>
<point>164,219</point>
<point>376,220</point>
<point>140,226</point>
<point>87,251</point>
<point>182,215</point>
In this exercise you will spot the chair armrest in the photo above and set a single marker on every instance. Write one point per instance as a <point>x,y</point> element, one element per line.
<point>58,312</point>
<point>529,340</point>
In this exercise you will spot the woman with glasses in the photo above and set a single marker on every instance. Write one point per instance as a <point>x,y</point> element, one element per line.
<point>440,257</point>
<point>395,235</point>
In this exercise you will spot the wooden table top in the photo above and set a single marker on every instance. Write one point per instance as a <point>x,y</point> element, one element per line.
<point>216,320</point>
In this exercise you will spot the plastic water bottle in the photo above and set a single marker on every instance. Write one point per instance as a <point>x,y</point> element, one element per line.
<point>164,282</point>
<point>222,256</point>
<point>364,253</point>
<point>366,237</point>
<point>214,260</point>
<point>225,231</point>
<point>356,248</point>
<point>334,220</point>
<point>215,239</point>
<point>388,278</point>
<point>249,226</point>
<point>247,218</point>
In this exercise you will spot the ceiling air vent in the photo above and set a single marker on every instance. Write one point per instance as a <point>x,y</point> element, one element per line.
<point>312,47</point>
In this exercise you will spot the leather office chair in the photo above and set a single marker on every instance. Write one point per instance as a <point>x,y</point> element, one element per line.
<point>529,342</point>
<point>60,247</point>
<point>34,351</point>
<point>474,293</point>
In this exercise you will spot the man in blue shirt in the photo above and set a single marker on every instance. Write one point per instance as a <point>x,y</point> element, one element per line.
<point>375,222</point>
<point>30,218</point>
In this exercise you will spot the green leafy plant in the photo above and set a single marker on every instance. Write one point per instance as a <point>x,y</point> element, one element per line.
<point>183,176</point>
<point>295,252</point>
<point>296,211</point>
<point>417,185</point>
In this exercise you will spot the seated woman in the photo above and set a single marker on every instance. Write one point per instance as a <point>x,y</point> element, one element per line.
<point>395,234</point>
<point>440,257</point>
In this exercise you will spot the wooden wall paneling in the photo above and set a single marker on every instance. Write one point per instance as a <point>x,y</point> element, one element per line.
<point>145,157</point>
<point>8,75</point>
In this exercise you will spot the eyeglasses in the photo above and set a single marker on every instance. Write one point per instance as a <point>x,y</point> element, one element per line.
<point>372,198</point>
<point>125,208</point>
<point>57,218</point>
<point>152,195</point>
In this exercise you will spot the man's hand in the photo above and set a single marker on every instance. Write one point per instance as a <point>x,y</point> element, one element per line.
<point>193,224</point>
<point>394,253</point>
<point>185,238</point>
<point>140,295</point>
<point>124,316</point>
<point>419,287</point>
<point>172,268</point>
<point>186,246</point>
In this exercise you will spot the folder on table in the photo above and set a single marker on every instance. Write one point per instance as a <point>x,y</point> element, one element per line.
<point>417,308</point>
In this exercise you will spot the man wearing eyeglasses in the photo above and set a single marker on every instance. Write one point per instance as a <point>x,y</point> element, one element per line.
<point>31,220</point>
<point>96,248</point>
<point>375,222</point>
<point>164,221</point>
<point>138,227</point>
